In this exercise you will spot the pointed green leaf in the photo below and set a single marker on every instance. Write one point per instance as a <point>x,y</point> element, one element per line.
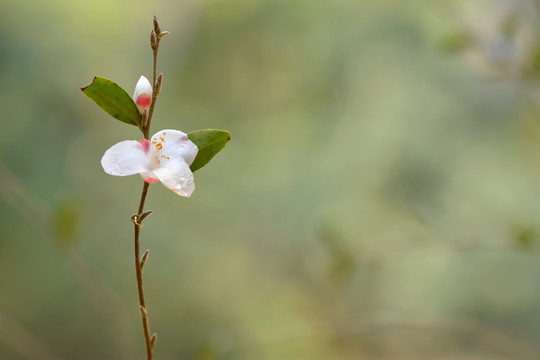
<point>209,142</point>
<point>114,100</point>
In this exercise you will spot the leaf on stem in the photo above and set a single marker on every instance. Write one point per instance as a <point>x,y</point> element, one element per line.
<point>114,100</point>
<point>209,142</point>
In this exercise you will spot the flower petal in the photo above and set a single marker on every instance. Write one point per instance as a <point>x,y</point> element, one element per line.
<point>173,144</point>
<point>177,176</point>
<point>149,177</point>
<point>125,158</point>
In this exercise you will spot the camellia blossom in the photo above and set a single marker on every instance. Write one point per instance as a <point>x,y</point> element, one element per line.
<point>143,94</point>
<point>166,158</point>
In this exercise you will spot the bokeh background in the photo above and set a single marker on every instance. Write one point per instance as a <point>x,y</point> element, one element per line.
<point>380,197</point>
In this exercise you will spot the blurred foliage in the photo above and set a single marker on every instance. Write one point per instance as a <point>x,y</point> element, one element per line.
<point>526,237</point>
<point>456,42</point>
<point>66,222</point>
<point>341,261</point>
<point>377,201</point>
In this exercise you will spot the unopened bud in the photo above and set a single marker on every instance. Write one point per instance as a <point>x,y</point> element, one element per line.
<point>143,94</point>
<point>153,40</point>
<point>158,83</point>
<point>157,29</point>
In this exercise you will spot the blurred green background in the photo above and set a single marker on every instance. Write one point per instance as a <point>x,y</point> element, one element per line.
<point>379,198</point>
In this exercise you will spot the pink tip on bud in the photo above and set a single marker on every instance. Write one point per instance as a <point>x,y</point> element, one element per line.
<point>143,94</point>
<point>143,101</point>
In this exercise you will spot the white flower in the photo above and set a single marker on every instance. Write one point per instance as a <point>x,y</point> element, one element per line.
<point>143,94</point>
<point>166,158</point>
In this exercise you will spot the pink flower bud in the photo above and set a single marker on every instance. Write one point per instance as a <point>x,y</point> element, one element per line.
<point>143,94</point>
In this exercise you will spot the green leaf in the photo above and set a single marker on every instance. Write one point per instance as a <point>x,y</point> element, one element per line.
<point>114,100</point>
<point>209,142</point>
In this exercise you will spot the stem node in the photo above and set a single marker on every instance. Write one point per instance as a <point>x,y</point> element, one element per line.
<point>135,219</point>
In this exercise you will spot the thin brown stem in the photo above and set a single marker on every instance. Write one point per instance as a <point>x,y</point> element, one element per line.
<point>155,91</point>
<point>138,271</point>
<point>139,217</point>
